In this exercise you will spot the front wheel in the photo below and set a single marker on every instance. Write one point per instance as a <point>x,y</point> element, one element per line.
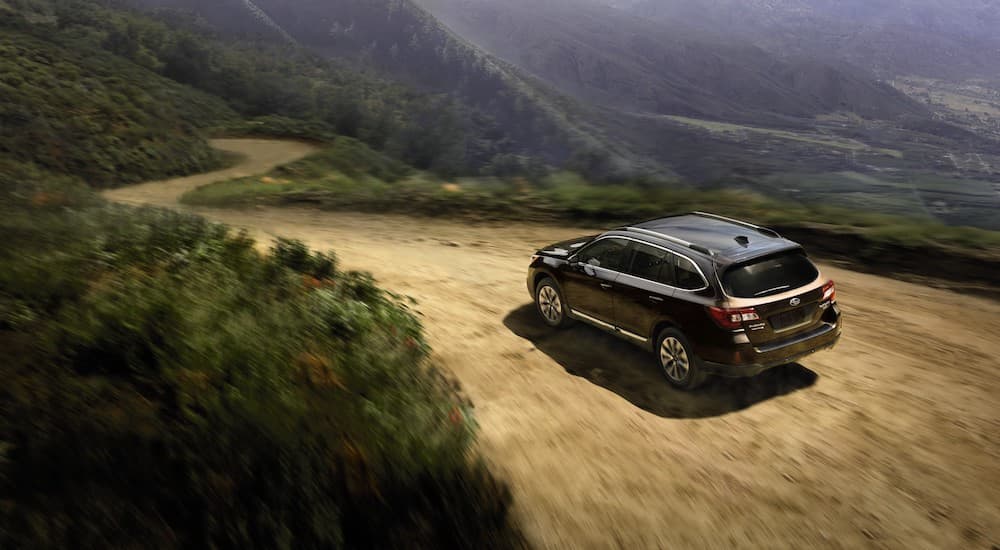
<point>679,364</point>
<point>550,304</point>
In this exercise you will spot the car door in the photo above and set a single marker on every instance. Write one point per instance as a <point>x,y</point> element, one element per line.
<point>641,291</point>
<point>590,277</point>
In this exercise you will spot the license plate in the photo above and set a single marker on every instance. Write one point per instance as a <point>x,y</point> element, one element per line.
<point>788,318</point>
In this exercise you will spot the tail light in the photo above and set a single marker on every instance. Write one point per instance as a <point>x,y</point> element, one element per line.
<point>732,319</point>
<point>829,292</point>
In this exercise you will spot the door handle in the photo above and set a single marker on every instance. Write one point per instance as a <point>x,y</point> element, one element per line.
<point>656,298</point>
<point>606,286</point>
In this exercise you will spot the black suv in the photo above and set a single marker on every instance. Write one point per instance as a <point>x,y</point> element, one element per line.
<point>707,294</point>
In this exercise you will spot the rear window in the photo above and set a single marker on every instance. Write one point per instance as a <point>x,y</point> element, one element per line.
<point>769,275</point>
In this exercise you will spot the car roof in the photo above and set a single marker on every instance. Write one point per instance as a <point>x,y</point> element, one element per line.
<point>723,239</point>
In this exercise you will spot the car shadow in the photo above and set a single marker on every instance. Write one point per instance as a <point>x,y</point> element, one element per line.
<point>631,372</point>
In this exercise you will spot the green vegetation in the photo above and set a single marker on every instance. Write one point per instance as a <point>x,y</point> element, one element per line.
<point>562,196</point>
<point>94,115</point>
<point>475,108</point>
<point>287,90</point>
<point>167,385</point>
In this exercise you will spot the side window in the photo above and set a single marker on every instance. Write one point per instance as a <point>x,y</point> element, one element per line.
<point>606,253</point>
<point>687,275</point>
<point>648,262</point>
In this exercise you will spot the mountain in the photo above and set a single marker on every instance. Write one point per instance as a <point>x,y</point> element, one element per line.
<point>951,39</point>
<point>400,41</point>
<point>791,97</point>
<point>560,85</point>
<point>608,56</point>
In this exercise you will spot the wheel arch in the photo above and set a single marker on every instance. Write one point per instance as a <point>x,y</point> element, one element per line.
<point>659,327</point>
<point>543,274</point>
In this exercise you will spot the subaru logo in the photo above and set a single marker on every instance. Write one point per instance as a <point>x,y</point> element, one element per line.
<point>794,302</point>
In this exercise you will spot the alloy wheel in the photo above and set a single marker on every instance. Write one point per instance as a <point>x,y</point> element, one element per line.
<point>549,304</point>
<point>674,359</point>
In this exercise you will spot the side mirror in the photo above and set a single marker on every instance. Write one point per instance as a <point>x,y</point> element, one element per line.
<point>585,267</point>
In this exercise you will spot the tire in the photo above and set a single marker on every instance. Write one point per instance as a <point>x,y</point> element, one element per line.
<point>677,361</point>
<point>550,304</point>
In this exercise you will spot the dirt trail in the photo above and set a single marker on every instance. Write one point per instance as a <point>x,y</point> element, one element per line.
<point>892,440</point>
<point>256,157</point>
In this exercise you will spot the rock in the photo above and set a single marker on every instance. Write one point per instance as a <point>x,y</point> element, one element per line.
<point>452,244</point>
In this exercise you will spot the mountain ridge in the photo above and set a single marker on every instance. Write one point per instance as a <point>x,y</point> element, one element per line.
<point>599,54</point>
<point>399,39</point>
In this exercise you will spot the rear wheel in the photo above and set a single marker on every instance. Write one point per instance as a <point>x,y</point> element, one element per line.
<point>550,304</point>
<point>677,360</point>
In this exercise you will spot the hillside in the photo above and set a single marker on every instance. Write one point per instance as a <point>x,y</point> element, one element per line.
<point>685,109</point>
<point>76,109</point>
<point>166,383</point>
<point>610,57</point>
<point>397,40</point>
<point>257,72</point>
<point>704,93</point>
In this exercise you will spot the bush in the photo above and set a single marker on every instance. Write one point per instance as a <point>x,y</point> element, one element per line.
<point>179,389</point>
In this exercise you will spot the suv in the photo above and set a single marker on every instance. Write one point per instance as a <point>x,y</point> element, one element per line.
<point>707,294</point>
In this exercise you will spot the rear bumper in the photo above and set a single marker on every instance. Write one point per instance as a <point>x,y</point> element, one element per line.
<point>752,361</point>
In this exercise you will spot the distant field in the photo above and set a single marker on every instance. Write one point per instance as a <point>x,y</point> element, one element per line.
<point>971,96</point>
<point>955,201</point>
<point>973,104</point>
<point>847,189</point>
<point>816,139</point>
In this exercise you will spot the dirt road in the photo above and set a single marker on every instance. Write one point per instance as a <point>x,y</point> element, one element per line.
<point>892,440</point>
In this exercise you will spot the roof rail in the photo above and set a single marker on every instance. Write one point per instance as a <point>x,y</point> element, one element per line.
<point>682,242</point>
<point>764,230</point>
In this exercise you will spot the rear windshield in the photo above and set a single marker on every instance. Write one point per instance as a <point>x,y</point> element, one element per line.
<point>769,275</point>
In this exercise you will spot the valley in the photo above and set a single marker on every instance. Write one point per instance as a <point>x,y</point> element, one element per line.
<point>746,109</point>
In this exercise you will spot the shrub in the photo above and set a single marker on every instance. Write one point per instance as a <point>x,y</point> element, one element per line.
<point>179,389</point>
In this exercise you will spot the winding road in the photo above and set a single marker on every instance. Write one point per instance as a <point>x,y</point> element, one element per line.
<point>892,440</point>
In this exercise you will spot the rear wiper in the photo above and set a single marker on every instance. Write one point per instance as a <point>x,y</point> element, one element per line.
<point>782,287</point>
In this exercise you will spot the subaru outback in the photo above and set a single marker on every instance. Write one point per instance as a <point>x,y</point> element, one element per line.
<point>708,295</point>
